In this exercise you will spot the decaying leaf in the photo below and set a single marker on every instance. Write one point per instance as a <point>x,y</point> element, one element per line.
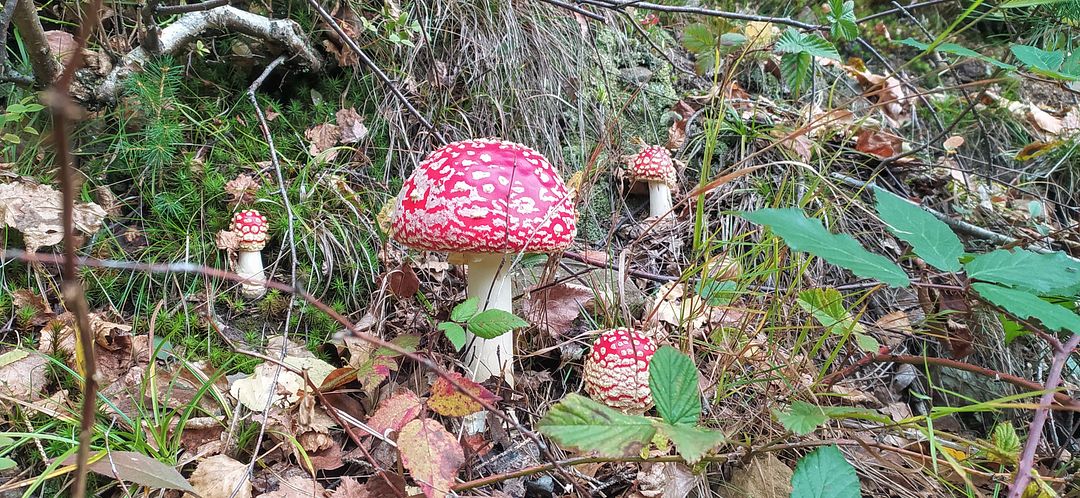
<point>555,308</point>
<point>446,400</point>
<point>351,124</point>
<point>22,374</point>
<point>323,137</point>
<point>878,143</point>
<point>396,411</point>
<point>402,282</point>
<point>140,469</point>
<point>431,454</point>
<point>255,390</point>
<point>241,190</point>
<point>350,24</point>
<point>218,476</point>
<point>297,486</point>
<point>765,477</point>
<point>26,299</point>
<point>885,91</point>
<point>349,488</point>
<point>35,210</point>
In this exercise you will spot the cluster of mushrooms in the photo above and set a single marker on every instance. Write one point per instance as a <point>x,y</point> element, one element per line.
<point>485,202</point>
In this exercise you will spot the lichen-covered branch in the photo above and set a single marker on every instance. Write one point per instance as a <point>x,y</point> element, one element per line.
<point>283,32</point>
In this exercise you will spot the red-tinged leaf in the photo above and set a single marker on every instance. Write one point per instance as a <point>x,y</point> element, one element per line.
<point>337,378</point>
<point>396,411</point>
<point>432,455</point>
<point>403,282</point>
<point>448,401</point>
<point>878,143</point>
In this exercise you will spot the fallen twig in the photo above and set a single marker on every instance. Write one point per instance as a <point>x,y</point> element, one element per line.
<point>42,61</point>
<point>188,27</point>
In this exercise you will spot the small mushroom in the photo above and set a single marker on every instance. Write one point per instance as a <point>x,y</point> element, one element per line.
<point>483,201</point>
<point>249,227</point>
<point>617,370</point>
<point>654,165</point>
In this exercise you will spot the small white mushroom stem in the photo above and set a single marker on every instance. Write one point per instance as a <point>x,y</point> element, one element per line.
<point>249,265</point>
<point>489,281</point>
<point>660,199</point>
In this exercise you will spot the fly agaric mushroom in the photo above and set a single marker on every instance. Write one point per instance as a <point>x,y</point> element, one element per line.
<point>481,201</point>
<point>249,227</point>
<point>617,370</point>
<point>654,165</point>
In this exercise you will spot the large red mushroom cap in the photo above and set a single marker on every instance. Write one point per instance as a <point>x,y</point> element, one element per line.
<point>485,196</point>
<point>250,227</point>
<point>653,164</point>
<point>617,369</point>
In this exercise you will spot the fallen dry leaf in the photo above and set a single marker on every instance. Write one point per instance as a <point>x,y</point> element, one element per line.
<point>765,477</point>
<point>218,476</point>
<point>35,210</point>
<point>350,24</point>
<point>323,137</point>
<point>555,308</point>
<point>878,143</point>
<point>22,375</point>
<point>396,411</point>
<point>298,486</point>
<point>349,488</point>
<point>431,454</point>
<point>255,390</point>
<point>25,298</point>
<point>448,401</point>
<point>241,190</point>
<point>403,282</point>
<point>351,124</point>
<point>886,91</point>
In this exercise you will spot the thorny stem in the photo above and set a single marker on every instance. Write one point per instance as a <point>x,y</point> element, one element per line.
<point>1053,379</point>
<point>47,258</point>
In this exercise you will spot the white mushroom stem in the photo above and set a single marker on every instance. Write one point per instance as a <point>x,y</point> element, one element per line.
<point>489,281</point>
<point>249,265</point>
<point>660,199</point>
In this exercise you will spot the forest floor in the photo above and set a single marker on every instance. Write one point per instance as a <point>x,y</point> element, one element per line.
<point>910,357</point>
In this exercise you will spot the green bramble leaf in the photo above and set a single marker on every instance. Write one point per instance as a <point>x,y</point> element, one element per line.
<point>801,417</point>
<point>1027,305</point>
<point>842,17</point>
<point>492,323</point>
<point>691,442</point>
<point>929,237</point>
<point>7,463</point>
<point>454,332</point>
<point>465,310</point>
<point>1046,274</point>
<point>583,424</point>
<point>825,473</point>
<point>673,380</point>
<point>952,48</point>
<point>809,235</point>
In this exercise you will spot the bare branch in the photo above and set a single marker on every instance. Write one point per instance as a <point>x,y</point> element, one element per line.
<point>170,10</point>
<point>190,26</point>
<point>41,59</point>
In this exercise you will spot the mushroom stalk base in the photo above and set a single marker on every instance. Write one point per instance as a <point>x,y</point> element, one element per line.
<point>660,199</point>
<point>489,281</point>
<point>249,265</point>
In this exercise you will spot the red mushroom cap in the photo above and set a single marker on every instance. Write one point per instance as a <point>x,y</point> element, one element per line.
<point>250,227</point>
<point>653,164</point>
<point>485,196</point>
<point>617,370</point>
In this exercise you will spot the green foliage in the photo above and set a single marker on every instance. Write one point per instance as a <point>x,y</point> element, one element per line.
<point>704,41</point>
<point>825,473</point>
<point>581,423</point>
<point>952,48</point>
<point>1005,445</point>
<point>1027,305</point>
<point>932,240</point>
<point>842,19</point>
<point>673,382</point>
<point>488,324</point>
<point>809,235</point>
<point>6,463</point>
<point>827,306</point>
<point>1049,63</point>
<point>1047,274</point>
<point>802,417</point>
<point>798,51</point>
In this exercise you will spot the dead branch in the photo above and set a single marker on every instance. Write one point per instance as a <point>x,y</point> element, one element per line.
<point>188,27</point>
<point>37,47</point>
